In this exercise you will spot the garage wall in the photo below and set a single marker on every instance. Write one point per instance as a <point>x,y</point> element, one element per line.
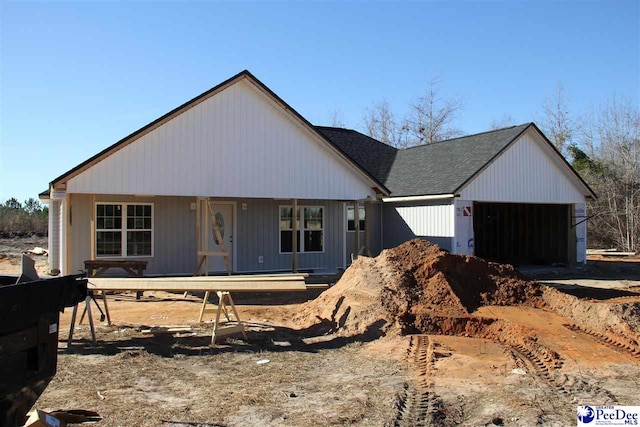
<point>430,221</point>
<point>528,172</point>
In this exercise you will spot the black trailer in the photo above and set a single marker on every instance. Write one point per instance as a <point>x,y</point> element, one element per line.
<point>29,324</point>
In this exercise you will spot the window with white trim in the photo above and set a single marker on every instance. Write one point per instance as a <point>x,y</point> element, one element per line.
<point>351,220</point>
<point>124,229</point>
<point>311,228</point>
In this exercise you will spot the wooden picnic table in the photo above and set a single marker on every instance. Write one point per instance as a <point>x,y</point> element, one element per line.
<point>97,267</point>
<point>133,268</point>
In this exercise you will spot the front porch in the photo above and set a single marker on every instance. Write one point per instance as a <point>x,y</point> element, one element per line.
<point>257,234</point>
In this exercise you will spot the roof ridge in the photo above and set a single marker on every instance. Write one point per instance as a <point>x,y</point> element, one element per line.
<point>334,127</point>
<point>469,136</point>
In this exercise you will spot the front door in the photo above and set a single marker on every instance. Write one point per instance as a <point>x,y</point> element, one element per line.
<point>220,214</point>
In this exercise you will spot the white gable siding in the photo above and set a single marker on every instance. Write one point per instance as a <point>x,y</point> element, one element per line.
<point>237,143</point>
<point>528,172</point>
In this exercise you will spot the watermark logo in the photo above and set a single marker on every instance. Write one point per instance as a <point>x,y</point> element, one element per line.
<point>608,416</point>
<point>586,414</point>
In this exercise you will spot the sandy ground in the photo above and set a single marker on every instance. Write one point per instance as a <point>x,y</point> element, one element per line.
<point>12,249</point>
<point>139,375</point>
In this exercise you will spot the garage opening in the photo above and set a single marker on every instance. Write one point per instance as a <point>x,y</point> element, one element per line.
<point>523,234</point>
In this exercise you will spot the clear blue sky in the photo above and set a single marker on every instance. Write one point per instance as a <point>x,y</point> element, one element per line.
<point>77,76</point>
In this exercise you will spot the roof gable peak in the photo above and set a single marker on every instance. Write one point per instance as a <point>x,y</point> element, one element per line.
<point>60,181</point>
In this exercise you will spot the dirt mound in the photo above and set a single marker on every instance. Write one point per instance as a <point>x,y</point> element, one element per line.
<point>407,286</point>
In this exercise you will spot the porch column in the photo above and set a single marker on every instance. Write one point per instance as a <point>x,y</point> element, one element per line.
<point>63,219</point>
<point>367,228</point>
<point>93,227</point>
<point>51,230</point>
<point>294,236</point>
<point>67,235</point>
<point>356,220</point>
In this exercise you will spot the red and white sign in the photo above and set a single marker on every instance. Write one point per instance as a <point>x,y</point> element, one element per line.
<point>466,211</point>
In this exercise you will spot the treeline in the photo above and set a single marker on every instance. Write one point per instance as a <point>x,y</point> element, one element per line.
<point>23,219</point>
<point>605,150</point>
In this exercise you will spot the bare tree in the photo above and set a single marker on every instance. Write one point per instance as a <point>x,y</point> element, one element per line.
<point>613,137</point>
<point>557,123</point>
<point>505,121</point>
<point>380,123</point>
<point>337,119</point>
<point>430,119</point>
<point>432,116</point>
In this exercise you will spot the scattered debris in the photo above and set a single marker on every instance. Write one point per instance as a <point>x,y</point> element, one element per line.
<point>38,418</point>
<point>37,251</point>
<point>77,416</point>
<point>167,330</point>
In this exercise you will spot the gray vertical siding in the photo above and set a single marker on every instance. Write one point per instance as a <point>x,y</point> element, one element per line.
<point>259,233</point>
<point>174,235</point>
<point>174,232</point>
<point>175,250</point>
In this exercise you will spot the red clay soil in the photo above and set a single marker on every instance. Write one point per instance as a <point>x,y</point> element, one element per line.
<point>407,287</point>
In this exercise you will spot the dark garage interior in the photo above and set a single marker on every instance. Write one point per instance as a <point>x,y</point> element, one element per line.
<point>523,234</point>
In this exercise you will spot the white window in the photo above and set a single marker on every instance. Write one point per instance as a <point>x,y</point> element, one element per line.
<point>351,221</point>
<point>312,228</point>
<point>124,229</point>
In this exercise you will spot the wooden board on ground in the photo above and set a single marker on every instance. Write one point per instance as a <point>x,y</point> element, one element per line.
<point>201,284</point>
<point>222,285</point>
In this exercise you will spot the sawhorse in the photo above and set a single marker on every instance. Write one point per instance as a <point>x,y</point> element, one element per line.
<point>224,301</point>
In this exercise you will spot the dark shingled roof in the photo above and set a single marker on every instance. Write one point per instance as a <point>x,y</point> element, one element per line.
<point>374,156</point>
<point>439,168</point>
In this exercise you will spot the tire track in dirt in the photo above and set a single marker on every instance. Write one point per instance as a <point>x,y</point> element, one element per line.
<point>545,365</point>
<point>542,363</point>
<point>525,359</point>
<point>418,405</point>
<point>608,340</point>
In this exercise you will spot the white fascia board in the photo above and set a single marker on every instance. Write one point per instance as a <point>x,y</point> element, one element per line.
<point>418,198</point>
